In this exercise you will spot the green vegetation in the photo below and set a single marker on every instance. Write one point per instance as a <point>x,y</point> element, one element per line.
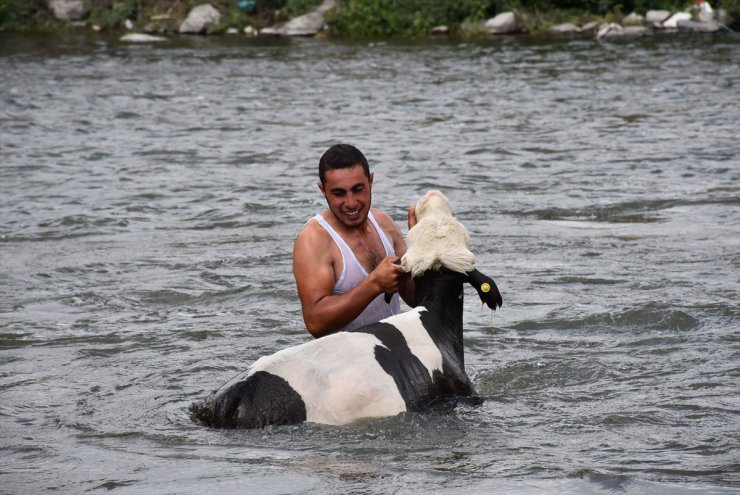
<point>354,18</point>
<point>380,18</point>
<point>22,15</point>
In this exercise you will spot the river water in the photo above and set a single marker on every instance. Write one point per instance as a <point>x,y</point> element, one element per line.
<point>150,195</point>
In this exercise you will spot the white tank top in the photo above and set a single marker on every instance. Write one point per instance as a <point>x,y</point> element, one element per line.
<point>353,273</point>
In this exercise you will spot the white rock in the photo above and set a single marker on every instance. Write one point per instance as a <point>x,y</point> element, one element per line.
<point>250,31</point>
<point>68,10</point>
<point>306,25</point>
<point>141,38</point>
<point>605,29</point>
<point>698,27</point>
<point>504,23</point>
<point>590,26</point>
<point>672,21</point>
<point>633,19</point>
<point>199,19</point>
<point>269,31</point>
<point>565,28</point>
<point>656,16</point>
<point>616,31</point>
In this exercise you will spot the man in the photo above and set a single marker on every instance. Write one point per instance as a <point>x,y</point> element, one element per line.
<point>343,259</point>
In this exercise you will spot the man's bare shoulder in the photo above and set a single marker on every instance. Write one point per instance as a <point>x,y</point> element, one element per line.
<point>313,235</point>
<point>385,221</point>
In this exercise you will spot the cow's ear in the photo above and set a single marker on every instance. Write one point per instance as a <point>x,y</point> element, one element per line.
<point>487,289</point>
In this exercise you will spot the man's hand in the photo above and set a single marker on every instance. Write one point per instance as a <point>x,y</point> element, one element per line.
<point>388,276</point>
<point>412,216</point>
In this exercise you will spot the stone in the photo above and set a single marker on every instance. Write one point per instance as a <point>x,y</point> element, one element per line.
<point>672,21</point>
<point>565,28</point>
<point>698,27</point>
<point>616,31</point>
<point>306,25</point>
<point>635,31</point>
<point>590,26</point>
<point>656,16</point>
<point>633,19</point>
<point>504,23</point>
<point>270,31</point>
<point>309,24</point>
<point>68,10</point>
<point>200,19</point>
<point>703,11</point>
<point>141,38</point>
<point>439,31</point>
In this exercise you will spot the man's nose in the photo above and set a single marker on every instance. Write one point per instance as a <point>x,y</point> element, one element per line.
<point>351,199</point>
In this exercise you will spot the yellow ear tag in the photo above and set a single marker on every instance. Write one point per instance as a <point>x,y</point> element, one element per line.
<point>485,287</point>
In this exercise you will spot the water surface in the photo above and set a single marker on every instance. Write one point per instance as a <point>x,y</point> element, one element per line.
<point>150,195</point>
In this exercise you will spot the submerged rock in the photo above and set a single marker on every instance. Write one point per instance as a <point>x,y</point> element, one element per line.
<point>200,19</point>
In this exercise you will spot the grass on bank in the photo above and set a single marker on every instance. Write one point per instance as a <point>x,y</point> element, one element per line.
<point>354,18</point>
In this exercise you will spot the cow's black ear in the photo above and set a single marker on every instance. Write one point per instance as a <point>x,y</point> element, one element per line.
<point>487,289</point>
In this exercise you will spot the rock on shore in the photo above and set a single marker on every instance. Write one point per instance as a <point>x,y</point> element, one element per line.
<point>309,24</point>
<point>200,19</point>
<point>68,10</point>
<point>503,23</point>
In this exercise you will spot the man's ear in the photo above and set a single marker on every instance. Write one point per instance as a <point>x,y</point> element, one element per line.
<point>321,188</point>
<point>370,179</point>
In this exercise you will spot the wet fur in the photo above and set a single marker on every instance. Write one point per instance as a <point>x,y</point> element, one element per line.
<point>437,240</point>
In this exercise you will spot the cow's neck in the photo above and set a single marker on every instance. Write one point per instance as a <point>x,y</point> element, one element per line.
<point>441,292</point>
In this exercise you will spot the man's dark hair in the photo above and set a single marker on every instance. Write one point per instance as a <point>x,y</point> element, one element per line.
<point>342,156</point>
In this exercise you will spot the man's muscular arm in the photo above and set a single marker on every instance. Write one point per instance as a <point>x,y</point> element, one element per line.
<point>313,268</point>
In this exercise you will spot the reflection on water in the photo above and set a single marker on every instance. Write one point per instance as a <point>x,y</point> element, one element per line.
<point>150,196</point>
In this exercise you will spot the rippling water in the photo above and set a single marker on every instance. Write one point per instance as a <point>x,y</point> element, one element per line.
<point>150,195</point>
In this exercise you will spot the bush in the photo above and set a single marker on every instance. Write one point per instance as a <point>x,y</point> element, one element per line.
<point>370,18</point>
<point>23,14</point>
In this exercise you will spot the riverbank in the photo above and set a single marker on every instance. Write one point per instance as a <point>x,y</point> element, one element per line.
<point>358,18</point>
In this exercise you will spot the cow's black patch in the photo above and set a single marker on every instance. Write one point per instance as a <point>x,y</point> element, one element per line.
<point>451,348</point>
<point>260,400</point>
<point>412,378</point>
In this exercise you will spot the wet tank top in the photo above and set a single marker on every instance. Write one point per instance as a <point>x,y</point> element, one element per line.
<point>353,273</point>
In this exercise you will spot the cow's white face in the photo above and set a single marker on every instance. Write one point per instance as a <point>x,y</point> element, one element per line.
<point>437,240</point>
<point>432,203</point>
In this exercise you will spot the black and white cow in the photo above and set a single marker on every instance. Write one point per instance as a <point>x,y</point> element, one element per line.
<point>402,363</point>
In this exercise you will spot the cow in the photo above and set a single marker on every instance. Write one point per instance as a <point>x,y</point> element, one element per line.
<point>402,363</point>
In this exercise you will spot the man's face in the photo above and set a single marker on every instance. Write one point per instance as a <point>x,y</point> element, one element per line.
<point>348,194</point>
